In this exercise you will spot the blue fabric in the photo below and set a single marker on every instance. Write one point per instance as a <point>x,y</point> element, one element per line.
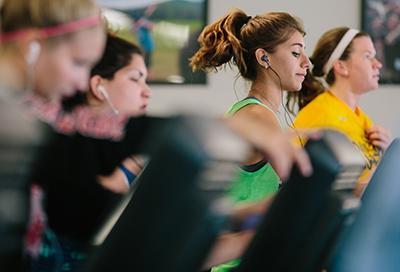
<point>145,39</point>
<point>130,177</point>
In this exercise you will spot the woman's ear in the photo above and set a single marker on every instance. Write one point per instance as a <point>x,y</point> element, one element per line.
<point>30,45</point>
<point>262,57</point>
<point>94,90</point>
<point>340,68</point>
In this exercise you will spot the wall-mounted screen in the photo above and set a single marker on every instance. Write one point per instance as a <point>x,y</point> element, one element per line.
<point>167,31</point>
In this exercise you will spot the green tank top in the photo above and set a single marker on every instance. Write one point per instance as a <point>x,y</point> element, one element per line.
<point>250,186</point>
<point>253,186</point>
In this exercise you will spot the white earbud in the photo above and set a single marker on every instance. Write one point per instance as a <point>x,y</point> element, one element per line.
<point>33,52</point>
<point>104,92</point>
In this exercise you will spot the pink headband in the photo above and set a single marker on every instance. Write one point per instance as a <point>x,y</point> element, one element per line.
<point>51,31</point>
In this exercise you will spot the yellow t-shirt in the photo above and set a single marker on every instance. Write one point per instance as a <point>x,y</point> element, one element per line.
<point>327,111</point>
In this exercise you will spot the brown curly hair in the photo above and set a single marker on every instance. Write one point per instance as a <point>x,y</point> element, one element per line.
<point>235,37</point>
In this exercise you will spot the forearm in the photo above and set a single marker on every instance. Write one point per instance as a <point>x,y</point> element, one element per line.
<point>229,246</point>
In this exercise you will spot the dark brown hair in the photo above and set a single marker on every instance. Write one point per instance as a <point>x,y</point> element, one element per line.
<point>312,87</point>
<point>235,37</point>
<point>117,54</point>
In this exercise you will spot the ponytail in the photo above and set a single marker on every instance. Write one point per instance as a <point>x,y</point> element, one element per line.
<point>220,43</point>
<point>235,38</point>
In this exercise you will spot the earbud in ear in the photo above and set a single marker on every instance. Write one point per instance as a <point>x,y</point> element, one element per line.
<point>104,92</point>
<point>33,52</point>
<point>265,59</point>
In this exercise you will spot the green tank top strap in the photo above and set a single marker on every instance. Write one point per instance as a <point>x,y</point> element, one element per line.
<point>247,101</point>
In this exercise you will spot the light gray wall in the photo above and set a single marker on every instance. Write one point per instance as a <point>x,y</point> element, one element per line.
<point>318,16</point>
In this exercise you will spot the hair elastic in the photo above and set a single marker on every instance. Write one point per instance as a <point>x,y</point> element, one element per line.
<point>341,46</point>
<point>52,31</point>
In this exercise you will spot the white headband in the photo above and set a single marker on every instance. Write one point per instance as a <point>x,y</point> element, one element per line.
<point>337,53</point>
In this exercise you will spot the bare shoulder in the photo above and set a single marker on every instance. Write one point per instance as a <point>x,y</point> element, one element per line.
<point>259,113</point>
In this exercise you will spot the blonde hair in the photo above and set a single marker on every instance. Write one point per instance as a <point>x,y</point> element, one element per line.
<point>25,14</point>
